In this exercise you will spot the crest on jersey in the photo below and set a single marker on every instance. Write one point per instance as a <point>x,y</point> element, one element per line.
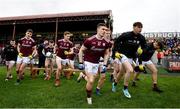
<point>104,44</point>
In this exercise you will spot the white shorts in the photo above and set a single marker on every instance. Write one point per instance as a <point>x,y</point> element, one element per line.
<point>10,63</point>
<point>117,61</point>
<point>71,62</point>
<point>91,67</point>
<point>62,61</point>
<point>31,61</point>
<point>25,60</point>
<point>123,59</point>
<point>144,62</point>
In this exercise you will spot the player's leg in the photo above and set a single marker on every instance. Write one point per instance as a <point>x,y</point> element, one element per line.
<point>154,72</point>
<point>47,62</point>
<point>101,81</point>
<point>117,75</point>
<point>91,71</point>
<point>128,70</point>
<point>59,68</point>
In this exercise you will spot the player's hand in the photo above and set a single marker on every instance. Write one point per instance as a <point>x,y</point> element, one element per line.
<point>66,52</point>
<point>20,55</point>
<point>54,55</point>
<point>118,55</point>
<point>139,68</point>
<point>103,69</point>
<point>139,51</point>
<point>30,56</point>
<point>81,66</point>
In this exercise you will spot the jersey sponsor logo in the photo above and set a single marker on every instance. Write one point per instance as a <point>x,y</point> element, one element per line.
<point>96,49</point>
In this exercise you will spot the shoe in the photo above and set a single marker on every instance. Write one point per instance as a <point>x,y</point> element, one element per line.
<point>98,92</point>
<point>156,89</point>
<point>134,84</point>
<point>126,93</point>
<point>80,77</point>
<point>17,83</point>
<point>113,87</point>
<point>137,79</point>
<point>7,79</point>
<point>111,78</point>
<point>10,76</point>
<point>47,78</point>
<point>57,82</point>
<point>89,100</point>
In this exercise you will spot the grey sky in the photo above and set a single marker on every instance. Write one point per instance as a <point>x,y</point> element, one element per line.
<point>156,15</point>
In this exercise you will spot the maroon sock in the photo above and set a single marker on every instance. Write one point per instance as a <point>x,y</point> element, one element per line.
<point>89,92</point>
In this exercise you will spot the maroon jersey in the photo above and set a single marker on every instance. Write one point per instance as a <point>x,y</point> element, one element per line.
<point>95,49</point>
<point>63,46</point>
<point>75,53</point>
<point>49,49</point>
<point>26,46</point>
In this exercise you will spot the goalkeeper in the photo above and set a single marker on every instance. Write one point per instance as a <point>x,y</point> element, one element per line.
<point>125,48</point>
<point>145,60</point>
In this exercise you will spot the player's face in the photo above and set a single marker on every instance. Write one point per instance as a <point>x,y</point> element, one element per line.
<point>137,29</point>
<point>12,43</point>
<point>101,31</point>
<point>28,34</point>
<point>51,44</point>
<point>156,46</point>
<point>108,34</point>
<point>67,36</point>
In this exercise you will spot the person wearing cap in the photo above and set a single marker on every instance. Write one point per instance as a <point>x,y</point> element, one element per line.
<point>26,50</point>
<point>125,49</point>
<point>145,59</point>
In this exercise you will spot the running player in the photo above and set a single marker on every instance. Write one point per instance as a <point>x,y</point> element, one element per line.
<point>26,50</point>
<point>48,51</point>
<point>145,59</point>
<point>93,48</point>
<point>10,54</point>
<point>64,47</point>
<point>125,48</point>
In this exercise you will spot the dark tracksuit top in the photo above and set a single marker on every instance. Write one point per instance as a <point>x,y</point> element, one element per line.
<point>128,43</point>
<point>10,53</point>
<point>147,53</point>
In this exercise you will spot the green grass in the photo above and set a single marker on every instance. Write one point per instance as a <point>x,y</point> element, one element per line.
<point>37,93</point>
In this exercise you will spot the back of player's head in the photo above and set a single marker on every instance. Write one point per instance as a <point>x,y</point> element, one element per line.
<point>138,24</point>
<point>29,30</point>
<point>101,24</point>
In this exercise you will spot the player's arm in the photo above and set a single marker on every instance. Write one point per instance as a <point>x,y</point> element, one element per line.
<point>81,52</point>
<point>71,51</point>
<point>106,56</point>
<point>119,41</point>
<point>143,43</point>
<point>34,53</point>
<point>18,47</point>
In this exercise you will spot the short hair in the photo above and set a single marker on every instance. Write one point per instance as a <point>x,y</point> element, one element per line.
<point>66,32</point>
<point>29,30</point>
<point>139,24</point>
<point>51,41</point>
<point>160,44</point>
<point>101,24</point>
